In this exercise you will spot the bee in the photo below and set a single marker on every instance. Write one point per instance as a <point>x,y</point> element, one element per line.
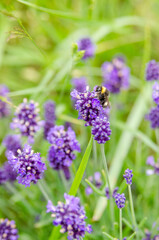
<point>102,94</point>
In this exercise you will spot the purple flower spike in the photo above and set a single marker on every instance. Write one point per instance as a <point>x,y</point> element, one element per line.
<point>116,75</point>
<point>27,119</point>
<point>153,117</point>
<point>87,45</point>
<point>107,193</point>
<point>71,216</point>
<point>87,105</point>
<point>80,84</point>
<point>49,114</point>
<point>4,107</point>
<point>120,200</point>
<point>28,165</point>
<point>12,143</point>
<point>101,129</point>
<point>155,166</point>
<point>152,71</point>
<point>3,177</point>
<point>8,230</point>
<point>63,144</point>
<point>96,180</point>
<point>128,176</point>
<point>155,93</point>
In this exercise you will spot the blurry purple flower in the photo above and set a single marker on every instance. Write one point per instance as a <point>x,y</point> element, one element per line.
<point>96,180</point>
<point>107,194</point>
<point>27,119</point>
<point>101,129</point>
<point>63,144</point>
<point>116,75</point>
<point>87,105</point>
<point>8,230</point>
<point>28,165</point>
<point>49,114</point>
<point>155,93</point>
<point>10,173</point>
<point>4,107</point>
<point>120,200</point>
<point>3,177</point>
<point>155,165</point>
<point>128,176</point>
<point>12,143</point>
<point>153,117</point>
<point>71,216</point>
<point>87,45</point>
<point>79,83</point>
<point>152,71</point>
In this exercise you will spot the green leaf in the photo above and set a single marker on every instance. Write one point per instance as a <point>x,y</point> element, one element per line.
<point>81,169</point>
<point>107,235</point>
<point>55,233</point>
<point>58,13</point>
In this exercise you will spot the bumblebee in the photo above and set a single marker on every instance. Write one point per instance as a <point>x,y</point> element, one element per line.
<point>102,94</point>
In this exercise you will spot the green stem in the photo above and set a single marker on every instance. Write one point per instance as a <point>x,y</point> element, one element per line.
<point>43,191</point>
<point>120,221</point>
<point>132,207</point>
<point>95,152</point>
<point>108,182</point>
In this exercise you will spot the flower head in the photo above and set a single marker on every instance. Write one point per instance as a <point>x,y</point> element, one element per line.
<point>116,75</point>
<point>152,71</point>
<point>88,106</point>
<point>4,108</point>
<point>87,45</point>
<point>155,166</point>
<point>28,165</point>
<point>153,117</point>
<point>63,144</point>
<point>96,180</point>
<point>128,176</point>
<point>155,93</point>
<point>71,216</point>
<point>27,119</point>
<point>101,129</point>
<point>12,143</point>
<point>7,173</point>
<point>80,84</point>
<point>3,177</point>
<point>107,192</point>
<point>49,114</point>
<point>120,200</point>
<point>8,230</point>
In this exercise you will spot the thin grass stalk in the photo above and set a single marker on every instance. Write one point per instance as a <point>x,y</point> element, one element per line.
<point>108,183</point>
<point>43,191</point>
<point>132,209</point>
<point>120,223</point>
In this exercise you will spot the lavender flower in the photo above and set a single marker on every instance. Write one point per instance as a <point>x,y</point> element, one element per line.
<point>107,192</point>
<point>155,93</point>
<point>27,119</point>
<point>12,143</point>
<point>88,106</point>
<point>28,165</point>
<point>153,117</point>
<point>149,236</point>
<point>128,176</point>
<point>120,200</point>
<point>87,45</point>
<point>96,180</point>
<point>80,84</point>
<point>8,230</point>
<point>3,177</point>
<point>4,108</point>
<point>155,165</point>
<point>152,71</point>
<point>49,114</point>
<point>101,129</point>
<point>63,144</point>
<point>116,75</point>
<point>71,216</point>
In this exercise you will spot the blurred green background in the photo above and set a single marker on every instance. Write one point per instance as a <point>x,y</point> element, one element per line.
<point>36,62</point>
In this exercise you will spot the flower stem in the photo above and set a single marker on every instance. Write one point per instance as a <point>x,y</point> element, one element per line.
<point>132,207</point>
<point>43,191</point>
<point>120,221</point>
<point>108,182</point>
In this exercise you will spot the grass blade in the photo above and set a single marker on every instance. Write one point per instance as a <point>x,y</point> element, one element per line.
<point>81,169</point>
